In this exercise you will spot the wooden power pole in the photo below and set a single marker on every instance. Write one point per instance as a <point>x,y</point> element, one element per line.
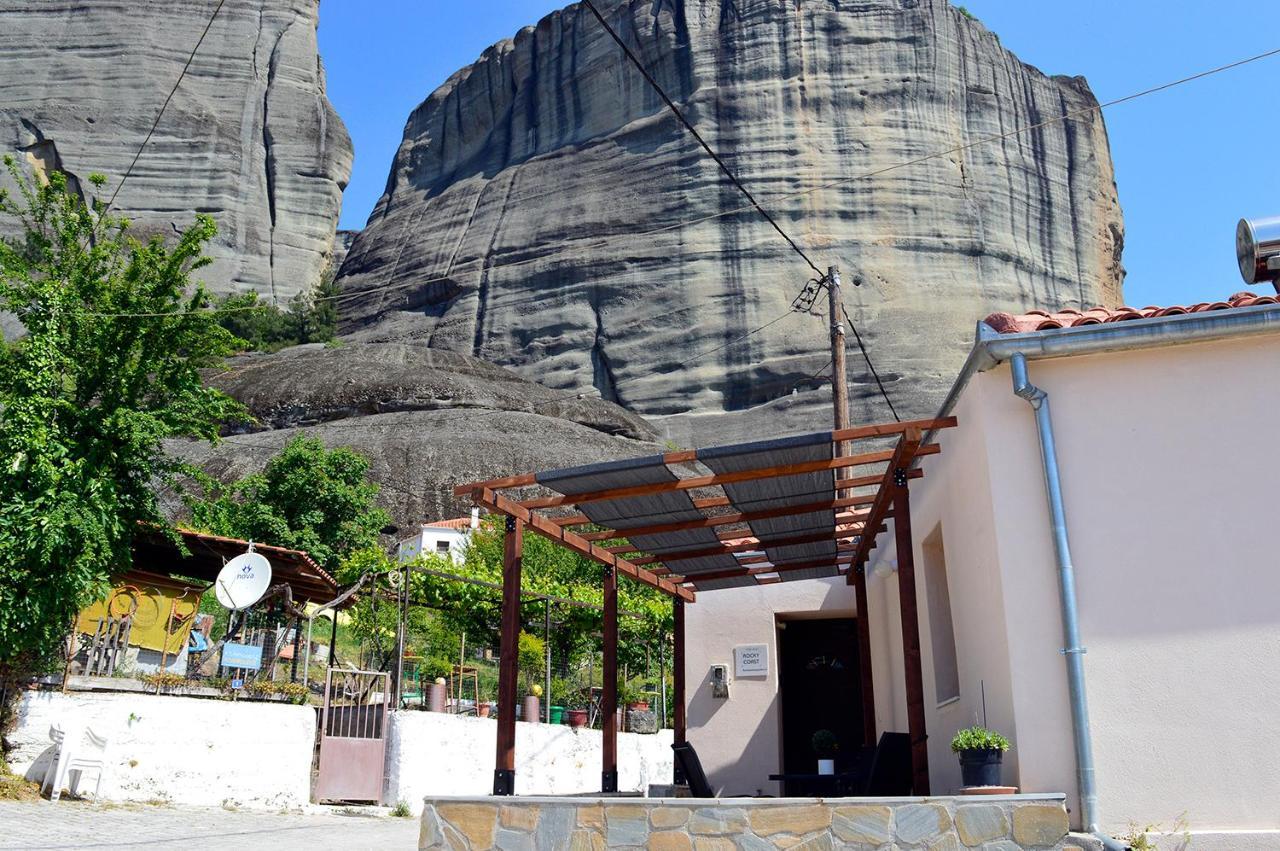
<point>840,399</point>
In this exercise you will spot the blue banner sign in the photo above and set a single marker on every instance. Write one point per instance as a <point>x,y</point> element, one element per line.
<point>241,656</point>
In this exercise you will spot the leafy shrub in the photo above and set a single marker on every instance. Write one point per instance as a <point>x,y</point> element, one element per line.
<point>163,680</point>
<point>825,744</point>
<point>979,739</point>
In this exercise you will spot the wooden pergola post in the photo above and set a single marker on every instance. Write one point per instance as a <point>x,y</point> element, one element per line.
<point>864,653</point>
<point>910,634</point>
<point>609,698</point>
<point>504,770</point>
<point>678,678</point>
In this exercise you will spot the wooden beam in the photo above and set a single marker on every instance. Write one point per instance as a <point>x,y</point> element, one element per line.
<point>725,520</point>
<point>722,501</point>
<point>723,478</point>
<point>827,561</point>
<point>753,544</point>
<point>748,561</point>
<point>544,527</point>
<point>685,456</point>
<point>901,460</point>
<point>504,770</point>
<point>609,698</point>
<point>910,636</point>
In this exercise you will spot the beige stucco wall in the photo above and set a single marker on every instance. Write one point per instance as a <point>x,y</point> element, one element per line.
<point>1170,493</point>
<point>737,739</point>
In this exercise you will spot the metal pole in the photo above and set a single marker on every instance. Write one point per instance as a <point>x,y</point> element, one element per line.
<point>333,637</point>
<point>840,402</point>
<point>662,681</point>
<point>546,643</point>
<point>400,634</point>
<point>306,668</point>
<point>462,666</point>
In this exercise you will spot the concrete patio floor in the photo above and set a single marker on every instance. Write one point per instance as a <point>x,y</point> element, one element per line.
<point>78,824</point>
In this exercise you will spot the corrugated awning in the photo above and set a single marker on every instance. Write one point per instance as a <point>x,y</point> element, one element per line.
<point>750,513</point>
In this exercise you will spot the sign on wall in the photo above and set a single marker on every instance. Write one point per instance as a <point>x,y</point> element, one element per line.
<point>751,660</point>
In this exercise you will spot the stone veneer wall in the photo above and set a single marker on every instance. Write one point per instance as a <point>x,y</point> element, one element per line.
<point>1003,823</point>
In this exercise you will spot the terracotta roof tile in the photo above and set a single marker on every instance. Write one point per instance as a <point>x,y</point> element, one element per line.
<point>454,523</point>
<point>1040,320</point>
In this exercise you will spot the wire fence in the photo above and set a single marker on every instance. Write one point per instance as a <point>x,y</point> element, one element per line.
<point>441,658</point>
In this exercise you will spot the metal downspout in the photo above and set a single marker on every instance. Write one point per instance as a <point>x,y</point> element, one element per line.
<point>1073,651</point>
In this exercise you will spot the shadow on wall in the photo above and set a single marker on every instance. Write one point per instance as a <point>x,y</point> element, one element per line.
<point>760,749</point>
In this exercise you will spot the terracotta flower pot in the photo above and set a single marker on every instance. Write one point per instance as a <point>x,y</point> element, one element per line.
<point>577,718</point>
<point>638,706</point>
<point>483,709</point>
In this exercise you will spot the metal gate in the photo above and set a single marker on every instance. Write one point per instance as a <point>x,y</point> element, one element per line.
<point>353,736</point>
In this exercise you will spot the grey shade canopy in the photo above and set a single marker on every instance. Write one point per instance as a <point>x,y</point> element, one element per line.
<point>777,492</point>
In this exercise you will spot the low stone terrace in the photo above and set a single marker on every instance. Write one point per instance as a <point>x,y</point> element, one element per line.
<point>991,823</point>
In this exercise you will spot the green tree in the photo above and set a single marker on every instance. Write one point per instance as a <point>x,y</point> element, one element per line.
<point>307,498</point>
<point>310,318</point>
<point>116,336</point>
<point>551,569</point>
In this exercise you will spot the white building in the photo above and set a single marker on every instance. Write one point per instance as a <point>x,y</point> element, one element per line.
<point>441,537</point>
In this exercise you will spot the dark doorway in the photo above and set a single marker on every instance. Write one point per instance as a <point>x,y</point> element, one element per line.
<point>820,690</point>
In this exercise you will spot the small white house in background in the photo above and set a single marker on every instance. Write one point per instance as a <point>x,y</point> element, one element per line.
<point>441,537</point>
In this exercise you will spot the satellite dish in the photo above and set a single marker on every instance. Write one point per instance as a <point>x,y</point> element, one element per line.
<point>243,580</point>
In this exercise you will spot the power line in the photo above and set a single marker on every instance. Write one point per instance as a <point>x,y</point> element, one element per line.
<point>870,365</point>
<point>685,223</point>
<point>696,135</point>
<point>165,105</point>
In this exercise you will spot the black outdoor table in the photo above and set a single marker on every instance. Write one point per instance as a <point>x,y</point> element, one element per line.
<point>819,785</point>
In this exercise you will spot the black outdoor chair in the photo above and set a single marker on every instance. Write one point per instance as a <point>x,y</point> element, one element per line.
<point>691,768</point>
<point>889,771</point>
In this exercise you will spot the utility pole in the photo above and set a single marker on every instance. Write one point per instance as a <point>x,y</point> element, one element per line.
<point>839,383</point>
<point>840,399</point>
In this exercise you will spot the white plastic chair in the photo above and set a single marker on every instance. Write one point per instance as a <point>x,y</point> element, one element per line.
<point>79,749</point>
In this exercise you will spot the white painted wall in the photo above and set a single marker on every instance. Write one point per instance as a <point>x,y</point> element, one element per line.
<point>434,540</point>
<point>738,739</point>
<point>433,754</point>
<point>955,496</point>
<point>1170,491</point>
<point>179,749</point>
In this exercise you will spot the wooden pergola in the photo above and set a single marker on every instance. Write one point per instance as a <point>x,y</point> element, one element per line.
<point>703,520</point>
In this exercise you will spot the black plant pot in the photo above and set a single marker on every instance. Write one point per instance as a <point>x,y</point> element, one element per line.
<point>981,767</point>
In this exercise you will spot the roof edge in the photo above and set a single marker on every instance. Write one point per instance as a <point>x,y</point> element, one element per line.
<point>991,347</point>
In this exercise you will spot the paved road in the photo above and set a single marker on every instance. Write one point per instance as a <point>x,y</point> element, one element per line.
<point>75,824</point>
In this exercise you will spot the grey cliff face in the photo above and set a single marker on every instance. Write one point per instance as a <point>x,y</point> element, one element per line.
<point>545,212</point>
<point>249,137</point>
<point>427,420</point>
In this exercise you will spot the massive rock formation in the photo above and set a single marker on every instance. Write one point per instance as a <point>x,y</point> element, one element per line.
<point>427,419</point>
<point>546,212</point>
<point>249,136</point>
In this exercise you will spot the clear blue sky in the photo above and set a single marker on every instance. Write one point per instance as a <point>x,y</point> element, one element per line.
<point>1189,162</point>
